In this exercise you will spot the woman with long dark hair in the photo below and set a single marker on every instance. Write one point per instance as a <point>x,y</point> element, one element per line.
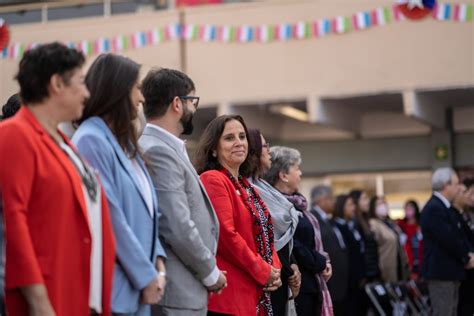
<point>410,225</point>
<point>344,216</point>
<point>107,138</point>
<point>285,221</point>
<point>246,240</point>
<point>392,261</point>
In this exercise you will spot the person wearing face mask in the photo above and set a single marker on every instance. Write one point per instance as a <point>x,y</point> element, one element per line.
<point>189,227</point>
<point>392,262</point>
<point>410,226</point>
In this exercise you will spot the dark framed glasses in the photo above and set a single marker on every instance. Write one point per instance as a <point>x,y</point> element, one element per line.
<point>194,100</point>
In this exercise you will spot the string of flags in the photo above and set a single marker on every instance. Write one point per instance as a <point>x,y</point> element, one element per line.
<point>264,33</point>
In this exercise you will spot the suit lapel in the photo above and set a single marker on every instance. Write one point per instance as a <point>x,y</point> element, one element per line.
<point>122,158</point>
<point>62,158</point>
<point>169,141</point>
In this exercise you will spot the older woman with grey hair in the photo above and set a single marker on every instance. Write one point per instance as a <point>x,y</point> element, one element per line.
<point>284,219</point>
<point>285,176</point>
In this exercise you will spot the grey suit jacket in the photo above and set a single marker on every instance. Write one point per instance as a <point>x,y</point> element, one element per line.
<point>188,226</point>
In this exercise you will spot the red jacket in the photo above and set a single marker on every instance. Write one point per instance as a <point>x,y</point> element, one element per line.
<point>247,272</point>
<point>46,222</point>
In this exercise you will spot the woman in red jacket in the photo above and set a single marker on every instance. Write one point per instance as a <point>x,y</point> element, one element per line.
<point>245,247</point>
<point>60,248</point>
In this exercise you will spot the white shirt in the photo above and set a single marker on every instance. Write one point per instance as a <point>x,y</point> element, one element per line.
<point>321,213</point>
<point>442,198</point>
<point>144,185</point>
<point>181,144</point>
<point>94,209</point>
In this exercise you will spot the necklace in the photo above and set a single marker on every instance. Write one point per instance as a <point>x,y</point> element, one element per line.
<point>85,172</point>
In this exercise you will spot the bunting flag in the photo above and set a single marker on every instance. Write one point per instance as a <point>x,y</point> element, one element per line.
<point>447,11</point>
<point>462,12</point>
<point>208,33</point>
<point>4,34</point>
<point>190,32</point>
<point>302,30</point>
<point>264,33</point>
<point>361,21</point>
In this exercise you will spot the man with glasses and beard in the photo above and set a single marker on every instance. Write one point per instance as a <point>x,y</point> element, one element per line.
<point>188,225</point>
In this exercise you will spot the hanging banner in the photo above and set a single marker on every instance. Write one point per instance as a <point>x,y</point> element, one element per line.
<point>264,33</point>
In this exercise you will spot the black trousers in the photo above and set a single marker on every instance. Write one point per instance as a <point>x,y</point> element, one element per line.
<point>280,299</point>
<point>308,304</point>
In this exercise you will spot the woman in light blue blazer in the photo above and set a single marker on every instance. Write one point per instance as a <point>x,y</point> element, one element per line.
<point>107,138</point>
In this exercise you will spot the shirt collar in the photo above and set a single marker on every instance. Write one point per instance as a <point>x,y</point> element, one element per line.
<point>178,141</point>
<point>442,198</point>
<point>321,213</point>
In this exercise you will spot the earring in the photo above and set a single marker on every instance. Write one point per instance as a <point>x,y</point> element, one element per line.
<point>214,154</point>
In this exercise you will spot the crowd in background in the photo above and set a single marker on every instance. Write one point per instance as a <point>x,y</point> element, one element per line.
<point>119,220</point>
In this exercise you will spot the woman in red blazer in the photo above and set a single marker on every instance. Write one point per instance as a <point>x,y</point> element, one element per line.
<point>245,247</point>
<point>58,230</point>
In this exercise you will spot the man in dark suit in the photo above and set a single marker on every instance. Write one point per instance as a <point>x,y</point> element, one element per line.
<point>322,206</point>
<point>461,204</point>
<point>446,253</point>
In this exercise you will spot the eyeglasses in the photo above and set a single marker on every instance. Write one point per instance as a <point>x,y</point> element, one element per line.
<point>266,146</point>
<point>194,100</point>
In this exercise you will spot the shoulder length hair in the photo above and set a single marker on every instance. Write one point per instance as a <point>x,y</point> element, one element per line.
<point>204,160</point>
<point>110,80</point>
<point>255,152</point>
<point>339,205</point>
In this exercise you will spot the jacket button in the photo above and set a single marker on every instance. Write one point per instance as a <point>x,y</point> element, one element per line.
<point>87,240</point>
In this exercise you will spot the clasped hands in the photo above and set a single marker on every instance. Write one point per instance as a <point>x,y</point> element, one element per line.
<point>220,285</point>
<point>154,291</point>
<point>274,280</point>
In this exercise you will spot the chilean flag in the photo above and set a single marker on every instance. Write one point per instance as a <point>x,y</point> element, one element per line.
<point>416,9</point>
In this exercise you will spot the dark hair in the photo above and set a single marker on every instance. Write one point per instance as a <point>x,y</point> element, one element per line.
<point>468,182</point>
<point>339,205</point>
<point>415,207</point>
<point>373,205</point>
<point>160,87</point>
<point>203,160</point>
<point>255,152</point>
<point>11,107</point>
<point>39,64</point>
<point>110,80</point>
<point>362,217</point>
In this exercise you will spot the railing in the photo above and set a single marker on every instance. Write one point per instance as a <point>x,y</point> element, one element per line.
<point>43,12</point>
<point>50,11</point>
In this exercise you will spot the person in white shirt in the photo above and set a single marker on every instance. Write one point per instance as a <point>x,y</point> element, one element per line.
<point>188,227</point>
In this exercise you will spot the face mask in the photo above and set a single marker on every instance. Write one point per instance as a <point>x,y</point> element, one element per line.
<point>187,122</point>
<point>381,211</point>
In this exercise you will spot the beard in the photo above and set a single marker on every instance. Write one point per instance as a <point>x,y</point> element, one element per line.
<point>187,122</point>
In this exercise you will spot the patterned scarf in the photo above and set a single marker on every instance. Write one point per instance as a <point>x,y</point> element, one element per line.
<point>300,203</point>
<point>262,231</point>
